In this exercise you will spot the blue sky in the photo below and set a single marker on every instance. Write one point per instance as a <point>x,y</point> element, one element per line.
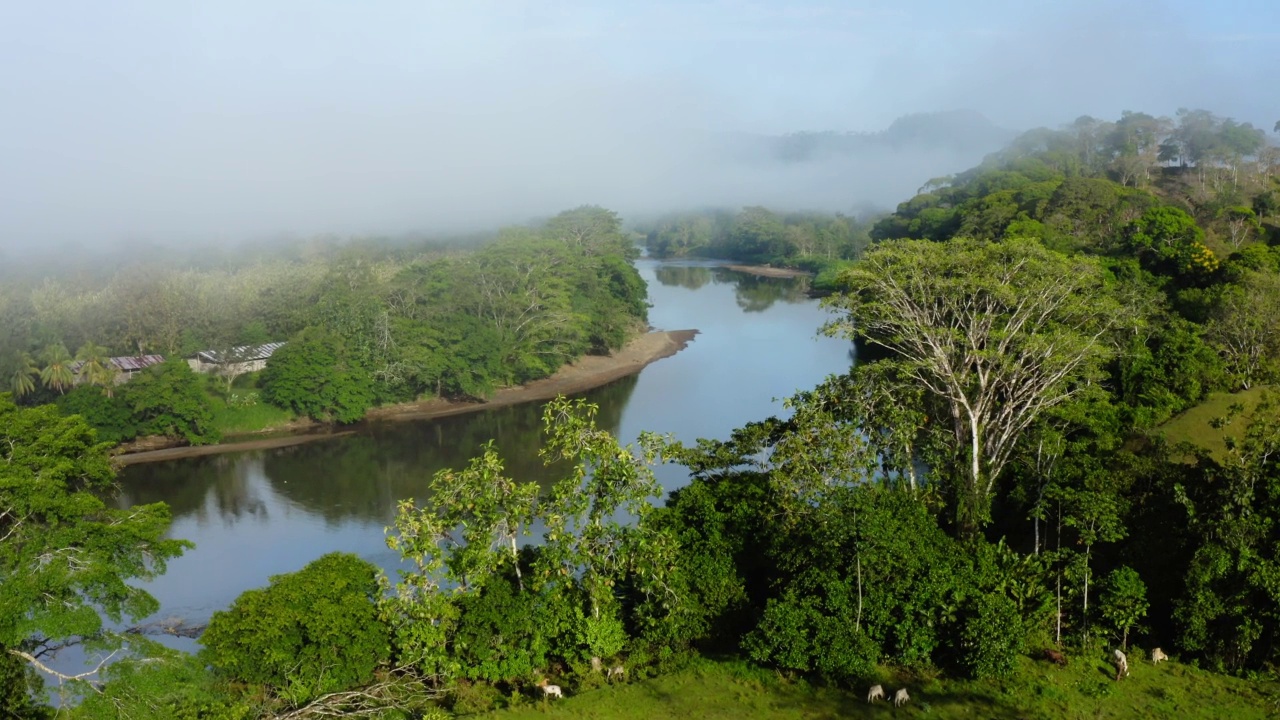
<point>237,117</point>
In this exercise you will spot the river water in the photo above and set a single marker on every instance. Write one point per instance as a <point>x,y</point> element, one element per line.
<point>256,514</point>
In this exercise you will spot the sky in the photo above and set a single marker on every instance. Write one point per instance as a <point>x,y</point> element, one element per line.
<point>224,121</point>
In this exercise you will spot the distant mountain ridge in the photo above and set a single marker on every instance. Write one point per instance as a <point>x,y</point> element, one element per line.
<point>951,131</point>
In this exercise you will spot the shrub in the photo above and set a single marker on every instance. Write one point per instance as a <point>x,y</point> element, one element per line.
<point>310,632</point>
<point>168,399</point>
<point>992,637</point>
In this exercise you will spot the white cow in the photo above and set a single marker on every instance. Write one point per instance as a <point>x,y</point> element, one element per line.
<point>1122,664</point>
<point>550,691</point>
<point>901,697</point>
<point>1157,655</point>
<point>875,693</point>
<point>617,672</point>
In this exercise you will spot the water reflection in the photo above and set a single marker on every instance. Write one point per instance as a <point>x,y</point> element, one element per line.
<point>358,477</point>
<point>690,277</point>
<point>757,294</point>
<point>753,293</point>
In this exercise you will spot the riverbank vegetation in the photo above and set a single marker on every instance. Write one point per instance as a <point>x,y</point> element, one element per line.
<point>987,495</point>
<point>816,242</point>
<point>366,325</point>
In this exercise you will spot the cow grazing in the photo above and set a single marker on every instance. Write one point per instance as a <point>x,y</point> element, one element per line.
<point>901,697</point>
<point>1122,665</point>
<point>617,672</point>
<point>875,693</point>
<point>596,664</point>
<point>1157,655</point>
<point>1055,657</point>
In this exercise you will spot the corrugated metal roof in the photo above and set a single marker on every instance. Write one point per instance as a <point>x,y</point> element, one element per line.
<point>139,362</point>
<point>130,363</point>
<point>240,353</point>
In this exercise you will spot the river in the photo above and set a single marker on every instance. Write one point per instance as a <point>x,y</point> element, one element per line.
<point>256,514</point>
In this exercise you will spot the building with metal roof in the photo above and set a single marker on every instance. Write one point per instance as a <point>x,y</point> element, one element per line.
<point>234,361</point>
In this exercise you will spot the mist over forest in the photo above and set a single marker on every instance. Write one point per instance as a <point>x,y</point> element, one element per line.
<point>149,123</point>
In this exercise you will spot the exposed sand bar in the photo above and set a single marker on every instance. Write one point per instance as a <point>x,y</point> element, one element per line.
<point>587,373</point>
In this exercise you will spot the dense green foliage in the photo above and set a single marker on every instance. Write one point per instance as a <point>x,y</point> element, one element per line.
<point>376,323</point>
<point>165,399</point>
<point>758,235</point>
<point>308,633</point>
<point>985,484</point>
<point>558,604</point>
<point>66,558</point>
<point>315,375</point>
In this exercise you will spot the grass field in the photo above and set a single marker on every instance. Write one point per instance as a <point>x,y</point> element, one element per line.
<point>1085,689</point>
<point>248,413</point>
<point>1194,425</point>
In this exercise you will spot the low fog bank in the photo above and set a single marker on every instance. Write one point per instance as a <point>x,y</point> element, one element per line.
<point>150,122</point>
<point>256,181</point>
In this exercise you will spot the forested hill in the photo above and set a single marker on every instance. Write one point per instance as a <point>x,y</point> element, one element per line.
<point>1076,186</point>
<point>1183,211</point>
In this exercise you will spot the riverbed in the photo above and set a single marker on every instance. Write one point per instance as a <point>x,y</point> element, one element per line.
<point>259,513</point>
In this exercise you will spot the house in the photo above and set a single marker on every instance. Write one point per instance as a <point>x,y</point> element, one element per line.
<point>234,361</point>
<point>125,367</point>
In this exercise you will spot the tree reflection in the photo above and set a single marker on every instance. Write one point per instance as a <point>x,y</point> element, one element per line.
<point>363,476</point>
<point>189,485</point>
<point>690,277</point>
<point>757,294</point>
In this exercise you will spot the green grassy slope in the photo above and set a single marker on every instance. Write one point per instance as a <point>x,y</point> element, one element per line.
<point>1085,689</point>
<point>1194,425</point>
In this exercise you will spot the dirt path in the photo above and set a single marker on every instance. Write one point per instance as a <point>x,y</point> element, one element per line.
<point>766,271</point>
<point>588,373</point>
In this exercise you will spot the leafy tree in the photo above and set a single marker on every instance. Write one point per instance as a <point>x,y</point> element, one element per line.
<point>110,416</point>
<point>593,230</point>
<point>1094,508</point>
<point>997,333</point>
<point>1168,241</point>
<point>315,374</point>
<point>1246,328</point>
<point>95,367</point>
<point>477,517</point>
<point>167,683</point>
<point>307,633</point>
<point>1241,223</point>
<point>585,536</point>
<point>25,373</point>
<point>66,558</point>
<point>57,373</point>
<point>1124,601</point>
<point>167,399</point>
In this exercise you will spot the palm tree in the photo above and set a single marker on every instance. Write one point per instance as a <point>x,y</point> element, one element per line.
<point>23,380</point>
<point>96,367</point>
<point>57,367</point>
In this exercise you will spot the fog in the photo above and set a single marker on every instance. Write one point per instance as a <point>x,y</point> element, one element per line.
<point>220,122</point>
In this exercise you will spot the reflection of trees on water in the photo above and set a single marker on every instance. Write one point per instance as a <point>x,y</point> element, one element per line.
<point>189,485</point>
<point>757,294</point>
<point>754,293</point>
<point>363,476</point>
<point>360,476</point>
<point>691,277</point>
